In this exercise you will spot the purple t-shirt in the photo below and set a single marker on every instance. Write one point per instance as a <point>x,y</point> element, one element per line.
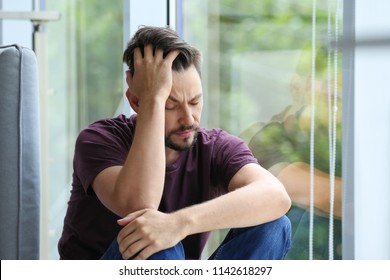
<point>201,173</point>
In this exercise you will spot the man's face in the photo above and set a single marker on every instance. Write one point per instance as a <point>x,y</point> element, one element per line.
<point>183,110</point>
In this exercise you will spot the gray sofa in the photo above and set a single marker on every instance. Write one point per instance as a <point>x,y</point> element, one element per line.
<point>19,154</point>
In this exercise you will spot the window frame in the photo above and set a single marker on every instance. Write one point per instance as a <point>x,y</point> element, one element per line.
<point>366,133</point>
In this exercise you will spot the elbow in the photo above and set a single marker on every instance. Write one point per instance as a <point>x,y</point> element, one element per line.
<point>126,202</point>
<point>140,201</point>
<point>284,201</point>
<point>280,202</point>
<point>133,206</point>
<point>123,205</point>
<point>143,206</point>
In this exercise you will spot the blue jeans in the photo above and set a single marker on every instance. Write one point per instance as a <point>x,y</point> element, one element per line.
<point>269,241</point>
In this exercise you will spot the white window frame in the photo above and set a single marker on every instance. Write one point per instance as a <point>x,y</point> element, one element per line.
<point>366,130</point>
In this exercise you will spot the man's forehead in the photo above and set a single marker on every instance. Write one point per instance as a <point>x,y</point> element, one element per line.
<point>177,97</point>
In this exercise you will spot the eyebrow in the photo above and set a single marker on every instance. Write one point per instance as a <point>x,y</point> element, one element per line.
<point>194,98</point>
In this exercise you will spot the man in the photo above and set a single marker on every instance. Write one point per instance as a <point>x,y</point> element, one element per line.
<point>156,183</point>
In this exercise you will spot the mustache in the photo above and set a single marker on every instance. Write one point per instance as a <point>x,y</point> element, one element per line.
<point>184,128</point>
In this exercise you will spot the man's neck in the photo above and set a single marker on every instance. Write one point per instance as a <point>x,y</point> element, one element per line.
<point>171,156</point>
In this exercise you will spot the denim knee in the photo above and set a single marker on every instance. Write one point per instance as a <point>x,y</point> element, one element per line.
<point>269,241</point>
<point>284,224</point>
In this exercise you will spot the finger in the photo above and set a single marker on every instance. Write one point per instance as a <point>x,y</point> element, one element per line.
<point>145,253</point>
<point>137,54</point>
<point>170,57</point>
<point>148,51</point>
<point>159,53</point>
<point>137,60</point>
<point>124,221</point>
<point>127,239</point>
<point>131,217</point>
<point>133,250</point>
<point>127,230</point>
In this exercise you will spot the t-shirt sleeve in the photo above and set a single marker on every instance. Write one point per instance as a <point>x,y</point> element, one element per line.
<point>101,145</point>
<point>231,154</point>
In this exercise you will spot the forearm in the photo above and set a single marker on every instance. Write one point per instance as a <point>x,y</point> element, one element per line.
<point>247,206</point>
<point>141,180</point>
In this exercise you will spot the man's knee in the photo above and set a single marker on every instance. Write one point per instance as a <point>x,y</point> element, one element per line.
<point>277,235</point>
<point>285,224</point>
<point>271,240</point>
<point>282,229</point>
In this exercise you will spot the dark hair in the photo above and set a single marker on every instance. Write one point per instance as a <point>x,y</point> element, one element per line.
<point>166,39</point>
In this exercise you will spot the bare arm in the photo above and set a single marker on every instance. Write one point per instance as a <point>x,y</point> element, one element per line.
<point>139,183</point>
<point>255,197</point>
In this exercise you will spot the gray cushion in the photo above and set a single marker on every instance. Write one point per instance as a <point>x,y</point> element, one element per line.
<point>19,154</point>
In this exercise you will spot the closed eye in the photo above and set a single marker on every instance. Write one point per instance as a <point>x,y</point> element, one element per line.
<point>195,101</point>
<point>170,106</point>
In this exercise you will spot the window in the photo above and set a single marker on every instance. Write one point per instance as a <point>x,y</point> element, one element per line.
<point>85,81</point>
<point>257,81</point>
<point>85,84</point>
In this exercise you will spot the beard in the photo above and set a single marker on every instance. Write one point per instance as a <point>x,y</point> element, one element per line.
<point>186,143</point>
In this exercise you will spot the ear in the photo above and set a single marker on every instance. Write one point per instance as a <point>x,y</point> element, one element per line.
<point>133,100</point>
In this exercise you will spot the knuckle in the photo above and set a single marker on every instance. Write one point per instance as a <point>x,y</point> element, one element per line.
<point>122,248</point>
<point>128,254</point>
<point>141,256</point>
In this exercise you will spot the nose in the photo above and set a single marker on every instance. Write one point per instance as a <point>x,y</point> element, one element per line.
<point>186,116</point>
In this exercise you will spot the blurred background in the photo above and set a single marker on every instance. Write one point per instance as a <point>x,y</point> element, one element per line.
<point>302,82</point>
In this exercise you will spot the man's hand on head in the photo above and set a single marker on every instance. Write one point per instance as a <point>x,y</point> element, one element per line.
<point>152,77</point>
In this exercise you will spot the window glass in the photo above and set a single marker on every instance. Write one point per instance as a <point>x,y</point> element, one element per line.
<point>85,84</point>
<point>257,78</point>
